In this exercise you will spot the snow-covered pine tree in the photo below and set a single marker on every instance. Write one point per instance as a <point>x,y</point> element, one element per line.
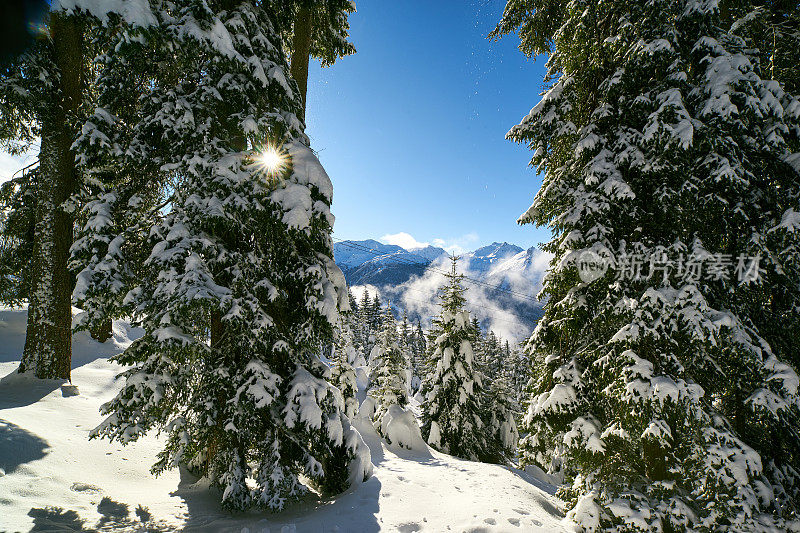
<point>518,371</point>
<point>452,415</point>
<point>773,29</point>
<point>405,331</point>
<point>353,306</point>
<point>364,334</point>
<point>344,358</point>
<point>375,315</point>
<point>409,346</point>
<point>478,341</point>
<point>500,416</point>
<point>346,340</point>
<point>658,395</point>
<point>420,348</point>
<point>45,93</point>
<point>389,369</point>
<point>476,326</point>
<point>353,319</point>
<point>245,247</point>
<point>501,400</point>
<point>497,400</point>
<point>125,182</point>
<point>372,323</point>
<point>495,368</point>
<point>364,304</point>
<point>17,227</point>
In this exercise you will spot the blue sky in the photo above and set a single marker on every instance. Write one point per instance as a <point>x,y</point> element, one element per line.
<point>411,128</point>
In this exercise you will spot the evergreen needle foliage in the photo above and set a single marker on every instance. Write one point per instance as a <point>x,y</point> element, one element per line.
<point>232,276</point>
<point>669,402</point>
<point>460,416</point>
<point>389,368</point>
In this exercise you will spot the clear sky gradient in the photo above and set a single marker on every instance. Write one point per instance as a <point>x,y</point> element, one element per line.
<point>411,128</point>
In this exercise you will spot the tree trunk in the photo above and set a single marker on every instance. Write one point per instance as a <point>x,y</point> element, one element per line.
<point>48,343</point>
<point>301,49</point>
<point>217,329</point>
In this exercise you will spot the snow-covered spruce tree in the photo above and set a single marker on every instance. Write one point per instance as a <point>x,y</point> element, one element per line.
<point>518,371</point>
<point>17,226</point>
<point>43,94</point>
<point>360,328</point>
<point>500,416</point>
<point>376,315</point>
<point>478,342</point>
<point>405,332</point>
<point>497,401</point>
<point>772,28</point>
<point>389,369</point>
<point>126,182</point>
<point>239,287</point>
<point>345,357</point>
<point>370,322</point>
<point>47,92</point>
<point>658,394</point>
<point>495,367</point>
<point>420,349</point>
<point>452,414</point>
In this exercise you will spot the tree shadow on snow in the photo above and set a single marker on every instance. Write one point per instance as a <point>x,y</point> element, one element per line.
<point>56,519</point>
<point>19,446</point>
<point>354,510</point>
<point>114,516</point>
<point>549,488</point>
<point>21,390</point>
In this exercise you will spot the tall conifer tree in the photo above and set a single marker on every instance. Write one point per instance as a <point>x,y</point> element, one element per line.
<point>452,414</point>
<point>389,368</point>
<point>46,92</point>
<point>659,395</point>
<point>238,288</point>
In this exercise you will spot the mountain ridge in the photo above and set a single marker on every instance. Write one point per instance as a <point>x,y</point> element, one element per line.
<point>502,279</point>
<point>362,260</point>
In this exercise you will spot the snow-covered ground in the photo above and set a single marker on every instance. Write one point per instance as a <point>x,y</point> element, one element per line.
<point>52,478</point>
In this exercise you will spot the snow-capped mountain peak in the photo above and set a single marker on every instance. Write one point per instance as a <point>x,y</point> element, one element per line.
<point>484,258</point>
<point>504,279</point>
<point>352,254</point>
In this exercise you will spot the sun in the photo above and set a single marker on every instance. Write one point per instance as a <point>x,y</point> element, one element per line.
<point>270,160</point>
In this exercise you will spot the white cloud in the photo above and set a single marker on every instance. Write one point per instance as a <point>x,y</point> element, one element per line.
<point>403,240</point>
<point>419,295</point>
<point>458,245</point>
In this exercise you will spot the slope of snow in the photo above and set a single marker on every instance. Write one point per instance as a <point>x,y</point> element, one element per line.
<point>54,479</point>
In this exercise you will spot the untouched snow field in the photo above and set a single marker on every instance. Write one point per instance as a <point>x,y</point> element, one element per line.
<point>52,478</point>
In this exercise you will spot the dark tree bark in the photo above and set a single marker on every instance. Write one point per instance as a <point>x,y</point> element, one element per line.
<point>301,49</point>
<point>48,343</point>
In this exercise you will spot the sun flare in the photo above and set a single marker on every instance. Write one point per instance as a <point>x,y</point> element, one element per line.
<point>270,160</point>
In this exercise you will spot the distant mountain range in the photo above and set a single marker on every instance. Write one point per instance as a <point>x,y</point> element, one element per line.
<point>503,280</point>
